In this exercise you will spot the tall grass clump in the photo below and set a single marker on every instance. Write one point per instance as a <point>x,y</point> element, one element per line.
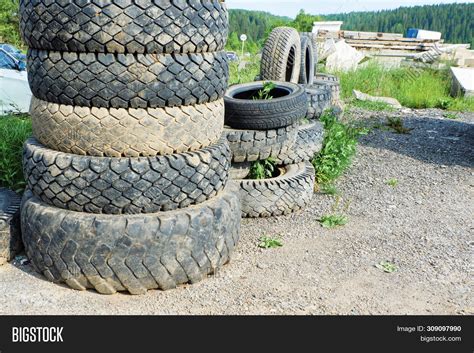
<point>413,88</point>
<point>14,130</point>
<point>339,146</point>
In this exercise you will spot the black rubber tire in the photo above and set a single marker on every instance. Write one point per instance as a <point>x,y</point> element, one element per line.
<point>131,253</point>
<point>264,114</point>
<point>319,100</point>
<point>333,86</point>
<point>326,77</point>
<point>125,27</point>
<point>239,170</point>
<point>119,132</point>
<point>283,195</point>
<point>308,143</point>
<point>125,185</point>
<point>127,80</point>
<point>281,56</point>
<point>314,43</point>
<point>10,234</point>
<point>307,62</point>
<point>255,145</point>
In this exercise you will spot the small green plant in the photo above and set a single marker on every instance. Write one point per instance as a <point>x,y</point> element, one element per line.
<point>269,243</point>
<point>264,93</point>
<point>452,116</point>
<point>333,220</point>
<point>386,266</point>
<point>392,182</point>
<point>339,146</point>
<point>262,169</point>
<point>396,124</point>
<point>329,189</point>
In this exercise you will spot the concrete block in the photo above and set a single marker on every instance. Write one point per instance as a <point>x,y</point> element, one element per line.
<point>463,82</point>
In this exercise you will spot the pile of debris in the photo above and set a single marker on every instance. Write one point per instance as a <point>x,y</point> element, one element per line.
<point>343,50</point>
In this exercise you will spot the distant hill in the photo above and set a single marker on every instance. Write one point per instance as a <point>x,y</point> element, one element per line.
<point>455,21</point>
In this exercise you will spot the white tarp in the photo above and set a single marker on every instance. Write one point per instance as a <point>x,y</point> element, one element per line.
<point>343,57</point>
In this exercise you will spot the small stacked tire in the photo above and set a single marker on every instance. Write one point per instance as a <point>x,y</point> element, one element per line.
<point>127,172</point>
<point>332,86</point>
<point>307,62</point>
<point>319,99</point>
<point>314,44</point>
<point>243,111</point>
<point>290,192</point>
<point>281,56</point>
<point>260,129</point>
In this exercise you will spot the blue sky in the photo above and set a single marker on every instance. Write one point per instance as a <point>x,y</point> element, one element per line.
<point>291,7</point>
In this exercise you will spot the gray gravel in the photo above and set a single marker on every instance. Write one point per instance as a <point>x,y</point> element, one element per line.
<point>424,226</point>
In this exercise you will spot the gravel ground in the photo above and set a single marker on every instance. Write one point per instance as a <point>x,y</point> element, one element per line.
<point>424,226</point>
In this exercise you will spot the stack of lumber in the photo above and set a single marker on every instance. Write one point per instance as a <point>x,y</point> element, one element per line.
<point>381,41</point>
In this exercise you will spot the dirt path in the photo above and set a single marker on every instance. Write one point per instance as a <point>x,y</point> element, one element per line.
<point>424,226</point>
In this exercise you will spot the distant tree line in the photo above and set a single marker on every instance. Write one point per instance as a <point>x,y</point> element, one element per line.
<point>455,21</point>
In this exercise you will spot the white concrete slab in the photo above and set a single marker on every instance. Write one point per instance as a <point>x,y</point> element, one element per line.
<point>463,81</point>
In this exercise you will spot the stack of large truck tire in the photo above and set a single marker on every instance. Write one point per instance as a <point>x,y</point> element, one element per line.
<point>127,171</point>
<point>278,128</point>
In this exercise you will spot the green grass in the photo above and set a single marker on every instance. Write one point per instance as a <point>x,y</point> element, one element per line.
<point>333,220</point>
<point>14,130</point>
<point>246,74</point>
<point>413,88</point>
<point>339,146</point>
<point>329,189</point>
<point>269,243</point>
<point>452,116</point>
<point>373,106</point>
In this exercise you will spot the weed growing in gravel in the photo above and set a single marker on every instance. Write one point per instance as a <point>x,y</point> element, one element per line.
<point>329,189</point>
<point>392,182</point>
<point>452,116</point>
<point>269,243</point>
<point>339,146</point>
<point>14,130</point>
<point>386,266</point>
<point>333,220</point>
<point>396,124</point>
<point>262,169</point>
